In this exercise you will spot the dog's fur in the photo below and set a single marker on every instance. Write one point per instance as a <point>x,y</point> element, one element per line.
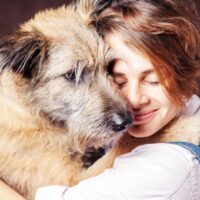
<point>57,103</point>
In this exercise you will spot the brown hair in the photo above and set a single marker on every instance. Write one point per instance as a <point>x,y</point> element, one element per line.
<point>166,31</point>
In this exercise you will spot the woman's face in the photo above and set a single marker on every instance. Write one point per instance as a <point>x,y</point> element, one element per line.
<point>135,76</point>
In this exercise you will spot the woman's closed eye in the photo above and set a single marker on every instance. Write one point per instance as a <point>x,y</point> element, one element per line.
<point>119,79</point>
<point>151,79</point>
<point>151,82</point>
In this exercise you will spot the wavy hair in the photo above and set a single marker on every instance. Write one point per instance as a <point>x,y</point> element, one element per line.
<point>167,31</point>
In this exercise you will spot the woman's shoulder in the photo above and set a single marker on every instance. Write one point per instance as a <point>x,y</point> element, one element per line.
<point>193,106</point>
<point>163,168</point>
<point>159,153</point>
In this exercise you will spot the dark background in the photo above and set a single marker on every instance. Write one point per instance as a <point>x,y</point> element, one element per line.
<point>15,12</point>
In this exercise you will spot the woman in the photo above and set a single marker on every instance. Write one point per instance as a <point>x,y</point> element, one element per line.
<point>156,67</point>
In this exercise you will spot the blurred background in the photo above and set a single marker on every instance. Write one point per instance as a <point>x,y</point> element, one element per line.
<point>15,12</point>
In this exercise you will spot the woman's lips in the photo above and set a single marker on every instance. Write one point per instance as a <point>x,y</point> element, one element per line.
<point>143,117</point>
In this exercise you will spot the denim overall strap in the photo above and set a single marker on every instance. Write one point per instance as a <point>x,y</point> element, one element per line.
<point>191,147</point>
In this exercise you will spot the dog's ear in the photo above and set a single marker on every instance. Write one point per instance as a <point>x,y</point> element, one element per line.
<point>23,52</point>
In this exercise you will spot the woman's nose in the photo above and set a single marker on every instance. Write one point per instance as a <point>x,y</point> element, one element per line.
<point>136,95</point>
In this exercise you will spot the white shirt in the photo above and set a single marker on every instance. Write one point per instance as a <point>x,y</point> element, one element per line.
<point>152,171</point>
<point>193,106</point>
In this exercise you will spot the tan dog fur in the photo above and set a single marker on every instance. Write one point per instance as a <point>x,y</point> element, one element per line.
<point>39,145</point>
<point>56,100</point>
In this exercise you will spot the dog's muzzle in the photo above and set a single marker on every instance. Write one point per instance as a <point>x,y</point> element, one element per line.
<point>121,121</point>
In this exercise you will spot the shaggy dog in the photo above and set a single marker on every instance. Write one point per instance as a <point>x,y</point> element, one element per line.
<point>59,109</point>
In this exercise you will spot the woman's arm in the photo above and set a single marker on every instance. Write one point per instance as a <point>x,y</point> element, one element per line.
<point>7,193</point>
<point>162,170</point>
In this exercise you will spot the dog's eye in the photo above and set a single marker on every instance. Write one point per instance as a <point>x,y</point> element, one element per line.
<point>70,76</point>
<point>110,67</point>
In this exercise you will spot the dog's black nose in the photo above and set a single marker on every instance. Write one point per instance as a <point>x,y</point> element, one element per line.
<point>121,121</point>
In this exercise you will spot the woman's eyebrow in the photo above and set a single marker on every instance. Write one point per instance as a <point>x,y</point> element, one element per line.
<point>147,72</point>
<point>118,74</point>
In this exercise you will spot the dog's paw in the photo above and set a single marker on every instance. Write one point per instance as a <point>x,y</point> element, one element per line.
<point>91,156</point>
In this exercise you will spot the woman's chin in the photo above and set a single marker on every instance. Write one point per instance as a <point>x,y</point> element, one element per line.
<point>140,131</point>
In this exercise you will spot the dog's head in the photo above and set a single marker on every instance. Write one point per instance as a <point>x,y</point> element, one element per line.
<point>64,63</point>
